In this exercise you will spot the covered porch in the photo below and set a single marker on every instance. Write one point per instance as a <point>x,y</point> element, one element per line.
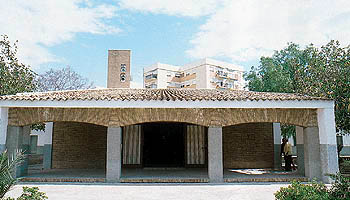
<point>206,116</point>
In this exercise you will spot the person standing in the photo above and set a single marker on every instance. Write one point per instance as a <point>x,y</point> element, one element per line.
<point>287,151</point>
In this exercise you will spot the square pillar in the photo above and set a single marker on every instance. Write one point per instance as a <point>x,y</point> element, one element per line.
<point>215,155</point>
<point>328,143</point>
<point>47,152</point>
<point>312,153</point>
<point>300,149</point>
<point>277,145</point>
<point>18,139</point>
<point>3,128</point>
<point>114,149</point>
<point>25,146</point>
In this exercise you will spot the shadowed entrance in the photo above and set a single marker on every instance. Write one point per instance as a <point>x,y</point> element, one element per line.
<point>163,145</point>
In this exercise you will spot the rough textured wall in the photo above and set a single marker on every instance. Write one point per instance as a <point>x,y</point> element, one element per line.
<point>117,58</point>
<point>79,146</point>
<point>248,146</point>
<point>130,116</point>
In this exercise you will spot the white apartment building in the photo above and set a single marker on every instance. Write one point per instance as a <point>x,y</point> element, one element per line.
<point>205,73</point>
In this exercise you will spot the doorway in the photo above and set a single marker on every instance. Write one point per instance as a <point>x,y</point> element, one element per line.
<point>163,145</point>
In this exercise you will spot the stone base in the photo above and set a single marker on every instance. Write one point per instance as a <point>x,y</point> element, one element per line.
<point>164,180</point>
<point>329,161</point>
<point>241,180</point>
<point>277,161</point>
<point>161,180</point>
<point>47,156</point>
<point>300,159</point>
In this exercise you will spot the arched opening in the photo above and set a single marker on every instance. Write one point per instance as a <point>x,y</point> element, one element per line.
<point>70,151</point>
<point>164,145</point>
<point>253,151</point>
<point>163,150</point>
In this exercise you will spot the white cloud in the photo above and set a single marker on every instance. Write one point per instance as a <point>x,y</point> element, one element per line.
<point>190,8</point>
<point>247,29</point>
<point>40,24</point>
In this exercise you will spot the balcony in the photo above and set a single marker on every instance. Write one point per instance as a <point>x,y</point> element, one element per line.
<point>183,78</point>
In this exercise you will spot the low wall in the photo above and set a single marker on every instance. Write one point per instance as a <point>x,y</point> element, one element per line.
<point>79,146</point>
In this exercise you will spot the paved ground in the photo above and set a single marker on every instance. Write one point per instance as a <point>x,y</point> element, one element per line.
<point>240,191</point>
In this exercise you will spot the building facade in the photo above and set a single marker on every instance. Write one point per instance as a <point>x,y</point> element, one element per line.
<point>215,130</point>
<point>205,74</point>
<point>117,128</point>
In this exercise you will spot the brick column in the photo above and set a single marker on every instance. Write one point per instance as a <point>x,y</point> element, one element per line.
<point>3,128</point>
<point>47,152</point>
<point>114,149</point>
<point>300,149</point>
<point>328,143</point>
<point>215,155</point>
<point>277,145</point>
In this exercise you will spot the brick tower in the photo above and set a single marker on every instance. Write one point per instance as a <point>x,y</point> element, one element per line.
<point>118,69</point>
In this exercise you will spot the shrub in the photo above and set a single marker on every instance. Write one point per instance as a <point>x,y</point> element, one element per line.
<point>30,193</point>
<point>298,191</point>
<point>340,189</point>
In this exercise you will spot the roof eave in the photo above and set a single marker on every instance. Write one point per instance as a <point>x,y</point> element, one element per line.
<point>314,104</point>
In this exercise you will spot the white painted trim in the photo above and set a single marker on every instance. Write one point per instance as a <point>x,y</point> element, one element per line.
<point>326,126</point>
<point>276,133</point>
<point>171,104</point>
<point>3,124</point>
<point>48,133</point>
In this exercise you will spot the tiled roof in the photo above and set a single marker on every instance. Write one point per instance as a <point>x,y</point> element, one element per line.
<point>156,94</point>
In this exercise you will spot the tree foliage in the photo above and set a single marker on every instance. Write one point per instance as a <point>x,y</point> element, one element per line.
<point>15,77</point>
<point>323,72</point>
<point>62,79</point>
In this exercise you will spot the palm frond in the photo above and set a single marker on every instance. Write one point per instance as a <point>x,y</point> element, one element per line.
<point>8,164</point>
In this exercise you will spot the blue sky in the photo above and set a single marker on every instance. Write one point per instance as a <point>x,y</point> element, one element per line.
<point>78,33</point>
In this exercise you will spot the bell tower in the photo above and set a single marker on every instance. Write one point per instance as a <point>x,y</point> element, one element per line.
<point>118,69</point>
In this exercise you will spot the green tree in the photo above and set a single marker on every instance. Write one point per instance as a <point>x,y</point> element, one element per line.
<point>328,75</point>
<point>15,77</point>
<point>323,71</point>
<point>277,74</point>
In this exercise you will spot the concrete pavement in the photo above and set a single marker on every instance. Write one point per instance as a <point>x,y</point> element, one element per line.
<point>124,191</point>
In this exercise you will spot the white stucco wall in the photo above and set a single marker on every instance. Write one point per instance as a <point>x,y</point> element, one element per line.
<point>41,136</point>
<point>3,125</point>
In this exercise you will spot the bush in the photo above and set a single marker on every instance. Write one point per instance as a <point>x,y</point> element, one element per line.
<point>30,193</point>
<point>298,191</point>
<point>340,189</point>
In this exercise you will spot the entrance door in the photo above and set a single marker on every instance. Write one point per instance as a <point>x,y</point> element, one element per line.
<point>163,145</point>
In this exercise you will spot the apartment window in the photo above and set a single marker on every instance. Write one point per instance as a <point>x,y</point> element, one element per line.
<point>150,76</point>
